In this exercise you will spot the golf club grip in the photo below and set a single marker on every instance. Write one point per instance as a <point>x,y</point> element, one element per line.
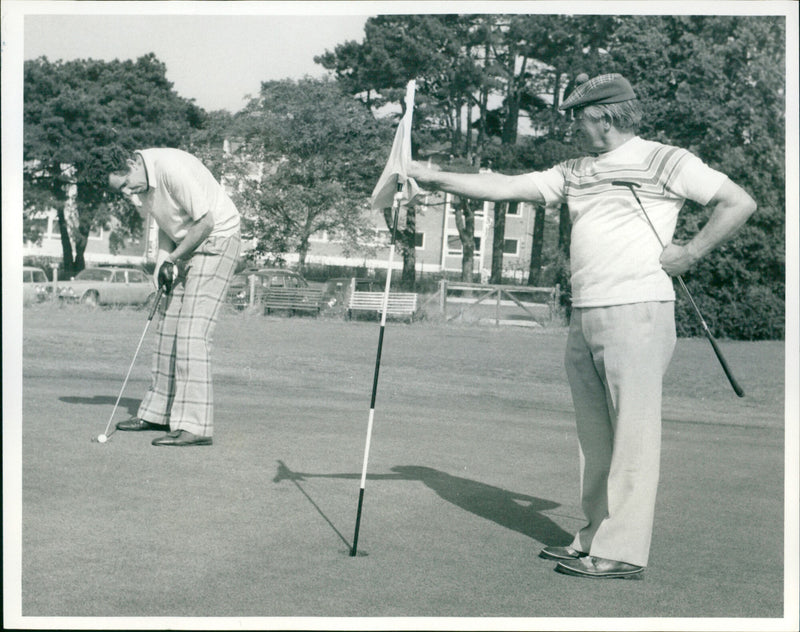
<point>737,389</point>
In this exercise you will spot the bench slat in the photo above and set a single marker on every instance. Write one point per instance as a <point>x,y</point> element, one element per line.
<point>399,302</point>
<point>292,298</point>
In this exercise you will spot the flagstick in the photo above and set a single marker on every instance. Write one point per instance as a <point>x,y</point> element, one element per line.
<point>395,213</point>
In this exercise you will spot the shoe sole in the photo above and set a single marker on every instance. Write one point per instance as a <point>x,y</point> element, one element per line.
<point>637,574</point>
<point>150,428</point>
<point>559,558</point>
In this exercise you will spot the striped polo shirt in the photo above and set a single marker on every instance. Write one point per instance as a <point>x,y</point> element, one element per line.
<point>614,255</point>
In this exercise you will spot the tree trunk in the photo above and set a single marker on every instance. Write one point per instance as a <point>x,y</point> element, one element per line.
<point>465,223</point>
<point>499,240</point>
<point>512,121</point>
<point>564,228</point>
<point>408,235</point>
<point>556,102</point>
<point>302,253</point>
<point>536,247</point>
<point>66,244</point>
<point>455,139</point>
<point>513,98</point>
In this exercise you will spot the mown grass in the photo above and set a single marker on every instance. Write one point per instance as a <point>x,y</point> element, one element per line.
<point>473,466</point>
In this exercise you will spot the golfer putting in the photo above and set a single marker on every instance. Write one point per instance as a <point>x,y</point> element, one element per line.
<point>198,246</point>
<point>622,327</point>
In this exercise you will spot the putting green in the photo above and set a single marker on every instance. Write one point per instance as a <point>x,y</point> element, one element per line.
<point>473,467</point>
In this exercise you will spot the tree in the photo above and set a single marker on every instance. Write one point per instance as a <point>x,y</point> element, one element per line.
<point>80,117</point>
<point>715,85</point>
<point>321,153</point>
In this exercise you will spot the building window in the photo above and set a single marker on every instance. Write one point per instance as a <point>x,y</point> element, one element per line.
<point>320,235</point>
<point>513,209</point>
<point>511,247</point>
<point>419,241</point>
<point>454,245</point>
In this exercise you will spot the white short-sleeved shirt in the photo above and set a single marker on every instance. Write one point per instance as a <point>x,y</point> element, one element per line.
<point>181,190</point>
<point>614,255</point>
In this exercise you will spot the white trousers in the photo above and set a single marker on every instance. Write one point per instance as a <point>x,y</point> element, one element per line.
<point>616,358</point>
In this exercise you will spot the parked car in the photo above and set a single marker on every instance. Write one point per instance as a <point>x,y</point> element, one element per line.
<point>239,291</point>
<point>35,286</point>
<point>335,291</point>
<point>108,286</point>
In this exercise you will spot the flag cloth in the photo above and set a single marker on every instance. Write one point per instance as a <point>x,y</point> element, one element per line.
<point>397,164</point>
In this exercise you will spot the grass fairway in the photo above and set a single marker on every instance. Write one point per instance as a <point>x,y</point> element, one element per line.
<point>473,467</point>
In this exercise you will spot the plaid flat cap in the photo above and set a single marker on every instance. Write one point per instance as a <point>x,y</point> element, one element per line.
<point>611,88</point>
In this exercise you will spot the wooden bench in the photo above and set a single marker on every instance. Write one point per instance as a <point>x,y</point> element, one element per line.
<point>400,303</point>
<point>304,299</point>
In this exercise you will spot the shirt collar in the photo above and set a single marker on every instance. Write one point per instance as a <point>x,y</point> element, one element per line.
<point>149,167</point>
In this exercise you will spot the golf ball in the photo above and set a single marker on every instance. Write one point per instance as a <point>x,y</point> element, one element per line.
<point>102,438</point>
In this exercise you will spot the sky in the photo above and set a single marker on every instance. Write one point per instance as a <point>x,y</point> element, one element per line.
<point>214,59</point>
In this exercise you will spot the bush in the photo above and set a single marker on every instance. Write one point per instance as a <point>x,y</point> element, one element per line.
<point>756,314</point>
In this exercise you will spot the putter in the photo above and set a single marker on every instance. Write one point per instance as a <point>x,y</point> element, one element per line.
<point>736,388</point>
<point>103,437</point>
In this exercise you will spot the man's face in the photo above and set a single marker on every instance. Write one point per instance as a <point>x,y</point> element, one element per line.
<point>590,134</point>
<point>134,180</point>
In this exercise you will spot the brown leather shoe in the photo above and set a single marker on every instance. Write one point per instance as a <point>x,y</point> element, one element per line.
<point>600,568</point>
<point>182,438</point>
<point>135,424</point>
<point>559,553</point>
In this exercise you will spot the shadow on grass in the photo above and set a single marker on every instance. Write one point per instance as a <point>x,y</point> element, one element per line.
<point>129,403</point>
<point>512,510</point>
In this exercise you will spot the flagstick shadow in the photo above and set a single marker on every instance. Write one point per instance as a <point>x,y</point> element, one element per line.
<point>284,473</point>
<point>512,510</point>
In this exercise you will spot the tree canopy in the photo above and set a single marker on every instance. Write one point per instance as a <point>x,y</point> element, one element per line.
<point>711,84</point>
<point>79,118</point>
<point>320,148</point>
<point>488,90</point>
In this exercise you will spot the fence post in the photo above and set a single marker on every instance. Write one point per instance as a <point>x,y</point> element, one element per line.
<point>55,280</point>
<point>252,279</point>
<point>443,297</point>
<point>555,300</point>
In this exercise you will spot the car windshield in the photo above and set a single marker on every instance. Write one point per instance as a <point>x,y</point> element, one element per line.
<point>94,274</point>
<point>34,276</point>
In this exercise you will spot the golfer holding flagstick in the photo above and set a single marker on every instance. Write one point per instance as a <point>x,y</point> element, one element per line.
<point>622,328</point>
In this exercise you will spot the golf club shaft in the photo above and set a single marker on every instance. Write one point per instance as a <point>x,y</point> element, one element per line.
<point>395,214</point>
<point>723,362</point>
<point>717,351</point>
<point>135,355</point>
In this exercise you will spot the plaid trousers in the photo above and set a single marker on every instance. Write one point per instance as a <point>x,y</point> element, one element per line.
<point>181,394</point>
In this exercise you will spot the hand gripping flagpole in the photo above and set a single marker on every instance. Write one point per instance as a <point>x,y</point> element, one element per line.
<point>396,202</point>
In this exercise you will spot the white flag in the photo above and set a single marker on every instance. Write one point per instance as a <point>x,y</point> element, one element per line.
<point>394,172</point>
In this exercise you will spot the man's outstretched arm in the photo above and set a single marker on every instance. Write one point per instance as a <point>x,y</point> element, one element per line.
<point>494,187</point>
